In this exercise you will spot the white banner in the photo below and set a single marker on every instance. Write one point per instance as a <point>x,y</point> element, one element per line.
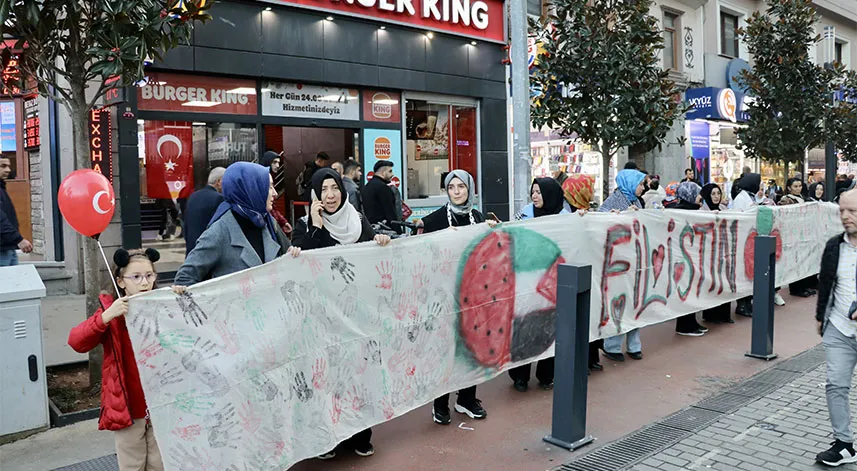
<point>270,366</point>
<point>294,100</point>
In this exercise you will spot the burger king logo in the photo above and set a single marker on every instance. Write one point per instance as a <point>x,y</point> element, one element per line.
<point>382,148</point>
<point>382,107</point>
<point>727,104</point>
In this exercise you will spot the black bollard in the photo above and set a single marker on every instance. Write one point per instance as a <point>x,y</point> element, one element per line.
<point>571,368</point>
<point>764,275</point>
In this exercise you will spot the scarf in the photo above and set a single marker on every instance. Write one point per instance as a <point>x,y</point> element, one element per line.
<point>467,179</point>
<point>750,183</point>
<point>627,181</point>
<point>688,191</point>
<point>344,224</point>
<point>551,197</point>
<point>706,196</point>
<point>245,191</point>
<point>814,187</point>
<point>578,190</point>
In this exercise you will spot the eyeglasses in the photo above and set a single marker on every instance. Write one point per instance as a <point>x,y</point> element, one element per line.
<point>138,278</point>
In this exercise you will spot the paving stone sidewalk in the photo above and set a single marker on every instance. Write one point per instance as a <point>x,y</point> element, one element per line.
<point>781,429</point>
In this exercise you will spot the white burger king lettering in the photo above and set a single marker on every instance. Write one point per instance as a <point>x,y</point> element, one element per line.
<point>382,107</point>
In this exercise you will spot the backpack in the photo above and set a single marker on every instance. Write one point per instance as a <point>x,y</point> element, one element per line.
<point>303,181</point>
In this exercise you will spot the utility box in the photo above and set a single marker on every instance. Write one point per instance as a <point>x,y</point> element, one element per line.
<point>23,386</point>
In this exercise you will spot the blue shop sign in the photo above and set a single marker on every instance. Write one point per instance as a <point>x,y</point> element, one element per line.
<point>716,103</point>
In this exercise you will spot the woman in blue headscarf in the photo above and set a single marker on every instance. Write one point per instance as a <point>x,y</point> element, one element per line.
<point>630,187</point>
<point>241,234</point>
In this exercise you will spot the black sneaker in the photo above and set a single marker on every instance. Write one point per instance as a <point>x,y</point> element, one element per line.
<point>441,416</point>
<point>839,453</point>
<point>473,410</point>
<point>615,356</point>
<point>520,385</point>
<point>701,328</point>
<point>368,450</point>
<point>328,456</point>
<point>692,333</point>
<point>636,355</point>
<point>546,386</point>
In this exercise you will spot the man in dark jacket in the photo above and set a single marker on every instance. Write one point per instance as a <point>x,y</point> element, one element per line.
<point>322,160</point>
<point>836,312</point>
<point>10,236</point>
<point>379,202</point>
<point>201,207</point>
<point>352,175</point>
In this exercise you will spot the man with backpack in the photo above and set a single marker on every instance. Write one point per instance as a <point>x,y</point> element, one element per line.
<point>304,180</point>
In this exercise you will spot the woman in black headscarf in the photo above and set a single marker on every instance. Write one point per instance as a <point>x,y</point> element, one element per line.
<point>817,192</point>
<point>547,200</point>
<point>712,200</point>
<point>689,199</point>
<point>332,220</point>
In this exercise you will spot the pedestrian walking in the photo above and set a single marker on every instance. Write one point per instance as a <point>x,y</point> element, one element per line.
<point>835,312</point>
<point>379,201</point>
<point>10,235</point>
<point>629,187</point>
<point>123,405</point>
<point>201,207</point>
<point>457,212</point>
<point>548,200</point>
<point>332,220</point>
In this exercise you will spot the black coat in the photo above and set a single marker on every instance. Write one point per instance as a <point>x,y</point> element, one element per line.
<point>200,208</point>
<point>379,202</point>
<point>10,236</point>
<point>438,220</point>
<point>308,237</point>
<point>827,276</point>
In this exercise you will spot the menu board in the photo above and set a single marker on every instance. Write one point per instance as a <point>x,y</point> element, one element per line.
<point>296,100</point>
<point>32,139</point>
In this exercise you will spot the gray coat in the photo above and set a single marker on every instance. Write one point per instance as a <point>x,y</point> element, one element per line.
<point>223,249</point>
<point>353,193</point>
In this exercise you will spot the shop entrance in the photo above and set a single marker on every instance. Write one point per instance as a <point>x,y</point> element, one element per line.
<point>299,147</point>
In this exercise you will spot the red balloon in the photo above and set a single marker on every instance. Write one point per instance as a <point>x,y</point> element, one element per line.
<point>87,201</point>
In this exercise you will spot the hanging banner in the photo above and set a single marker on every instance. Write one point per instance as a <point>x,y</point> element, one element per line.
<point>296,100</point>
<point>279,363</point>
<point>382,144</point>
<point>169,159</point>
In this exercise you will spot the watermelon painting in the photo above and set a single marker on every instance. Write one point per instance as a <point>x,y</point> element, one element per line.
<point>506,296</point>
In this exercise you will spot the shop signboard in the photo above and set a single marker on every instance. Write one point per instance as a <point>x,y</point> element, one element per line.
<point>716,103</point>
<point>296,100</point>
<point>382,144</point>
<point>8,139</point>
<point>32,138</point>
<point>196,94</point>
<point>99,142</point>
<point>169,159</point>
<point>700,139</point>
<point>382,107</point>
<point>478,19</point>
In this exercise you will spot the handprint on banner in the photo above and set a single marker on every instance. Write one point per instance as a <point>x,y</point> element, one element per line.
<point>169,376</point>
<point>191,311</point>
<point>314,264</point>
<point>187,402</point>
<point>415,329</point>
<point>301,388</point>
<point>406,305</point>
<point>192,459</point>
<point>200,353</point>
<point>387,408</point>
<point>385,271</point>
<point>255,313</point>
<point>336,408</point>
<point>245,285</point>
<point>250,419</point>
<point>212,378</point>
<point>146,324</point>
<point>372,352</point>
<point>418,274</point>
<point>175,341</point>
<point>227,333</point>
<point>294,301</point>
<point>357,398</point>
<point>444,262</point>
<point>188,433</point>
<point>318,377</point>
<point>148,352</point>
<point>222,427</point>
<point>344,268</point>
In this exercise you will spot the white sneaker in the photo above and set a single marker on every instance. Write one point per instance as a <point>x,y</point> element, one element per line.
<point>778,300</point>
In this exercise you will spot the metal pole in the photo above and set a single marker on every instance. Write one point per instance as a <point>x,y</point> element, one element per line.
<point>830,170</point>
<point>522,168</point>
<point>571,366</point>
<point>764,274</point>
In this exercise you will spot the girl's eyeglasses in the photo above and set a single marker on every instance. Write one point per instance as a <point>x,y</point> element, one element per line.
<point>138,278</point>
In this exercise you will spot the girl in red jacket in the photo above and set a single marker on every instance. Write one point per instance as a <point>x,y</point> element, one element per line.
<point>123,405</point>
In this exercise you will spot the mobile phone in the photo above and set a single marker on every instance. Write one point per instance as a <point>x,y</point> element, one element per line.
<point>493,216</point>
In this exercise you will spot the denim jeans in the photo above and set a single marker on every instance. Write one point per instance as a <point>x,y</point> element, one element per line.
<point>841,354</point>
<point>614,344</point>
<point>8,258</point>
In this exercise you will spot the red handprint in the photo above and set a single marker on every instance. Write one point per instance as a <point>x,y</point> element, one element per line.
<point>411,370</point>
<point>318,377</point>
<point>443,263</point>
<point>250,420</point>
<point>314,264</point>
<point>245,285</point>
<point>385,271</point>
<point>357,398</point>
<point>407,306</point>
<point>187,433</point>
<point>388,409</point>
<point>418,274</point>
<point>148,352</point>
<point>227,334</point>
<point>336,409</point>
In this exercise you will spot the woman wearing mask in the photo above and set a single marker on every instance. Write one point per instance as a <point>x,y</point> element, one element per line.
<point>712,200</point>
<point>332,220</point>
<point>241,234</point>
<point>689,199</point>
<point>629,185</point>
<point>547,199</point>
<point>459,211</point>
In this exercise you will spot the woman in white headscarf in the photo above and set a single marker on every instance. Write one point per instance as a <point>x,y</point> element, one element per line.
<point>459,211</point>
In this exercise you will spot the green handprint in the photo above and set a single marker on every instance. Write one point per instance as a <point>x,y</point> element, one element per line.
<point>254,311</point>
<point>186,402</point>
<point>174,340</point>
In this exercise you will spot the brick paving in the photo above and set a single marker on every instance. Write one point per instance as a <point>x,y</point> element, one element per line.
<point>782,430</point>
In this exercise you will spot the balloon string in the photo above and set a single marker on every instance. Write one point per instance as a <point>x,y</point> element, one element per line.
<point>115,286</point>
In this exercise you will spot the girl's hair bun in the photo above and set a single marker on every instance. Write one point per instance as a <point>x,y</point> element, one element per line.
<point>153,255</point>
<point>121,258</point>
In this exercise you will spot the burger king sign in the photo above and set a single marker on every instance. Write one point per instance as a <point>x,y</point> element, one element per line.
<point>382,145</point>
<point>381,107</point>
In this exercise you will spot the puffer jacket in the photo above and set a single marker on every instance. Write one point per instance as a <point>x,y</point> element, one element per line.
<point>115,411</point>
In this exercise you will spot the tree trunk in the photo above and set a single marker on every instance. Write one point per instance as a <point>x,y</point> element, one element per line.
<point>605,170</point>
<point>91,256</point>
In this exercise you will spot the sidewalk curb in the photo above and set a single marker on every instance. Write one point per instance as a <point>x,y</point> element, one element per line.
<point>637,446</point>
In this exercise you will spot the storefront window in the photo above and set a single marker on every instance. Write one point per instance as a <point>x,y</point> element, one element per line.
<point>553,153</point>
<point>175,159</point>
<point>440,137</point>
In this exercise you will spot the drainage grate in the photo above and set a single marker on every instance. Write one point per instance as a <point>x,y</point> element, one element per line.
<point>803,362</point>
<point>691,420</point>
<point>724,402</point>
<point>105,463</point>
<point>753,388</point>
<point>627,451</point>
<point>775,376</point>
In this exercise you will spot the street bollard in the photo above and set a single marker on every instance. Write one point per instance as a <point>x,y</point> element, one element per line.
<point>764,275</point>
<point>571,368</point>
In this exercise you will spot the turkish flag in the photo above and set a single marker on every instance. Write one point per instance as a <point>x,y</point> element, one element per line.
<point>169,159</point>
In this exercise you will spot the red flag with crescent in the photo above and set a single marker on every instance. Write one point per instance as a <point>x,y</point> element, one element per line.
<point>169,159</point>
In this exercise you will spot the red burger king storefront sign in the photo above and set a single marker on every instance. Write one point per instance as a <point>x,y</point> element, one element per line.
<point>478,19</point>
<point>382,106</point>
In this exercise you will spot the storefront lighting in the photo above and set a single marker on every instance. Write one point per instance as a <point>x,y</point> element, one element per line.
<point>329,18</point>
<point>198,124</point>
<point>430,35</point>
<point>201,104</point>
<point>382,28</point>
<point>242,91</point>
<point>267,8</point>
<point>472,43</point>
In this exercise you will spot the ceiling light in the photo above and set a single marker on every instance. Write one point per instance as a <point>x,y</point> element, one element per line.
<point>472,43</point>
<point>382,28</point>
<point>429,35</point>
<point>198,124</point>
<point>267,8</point>
<point>329,18</point>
